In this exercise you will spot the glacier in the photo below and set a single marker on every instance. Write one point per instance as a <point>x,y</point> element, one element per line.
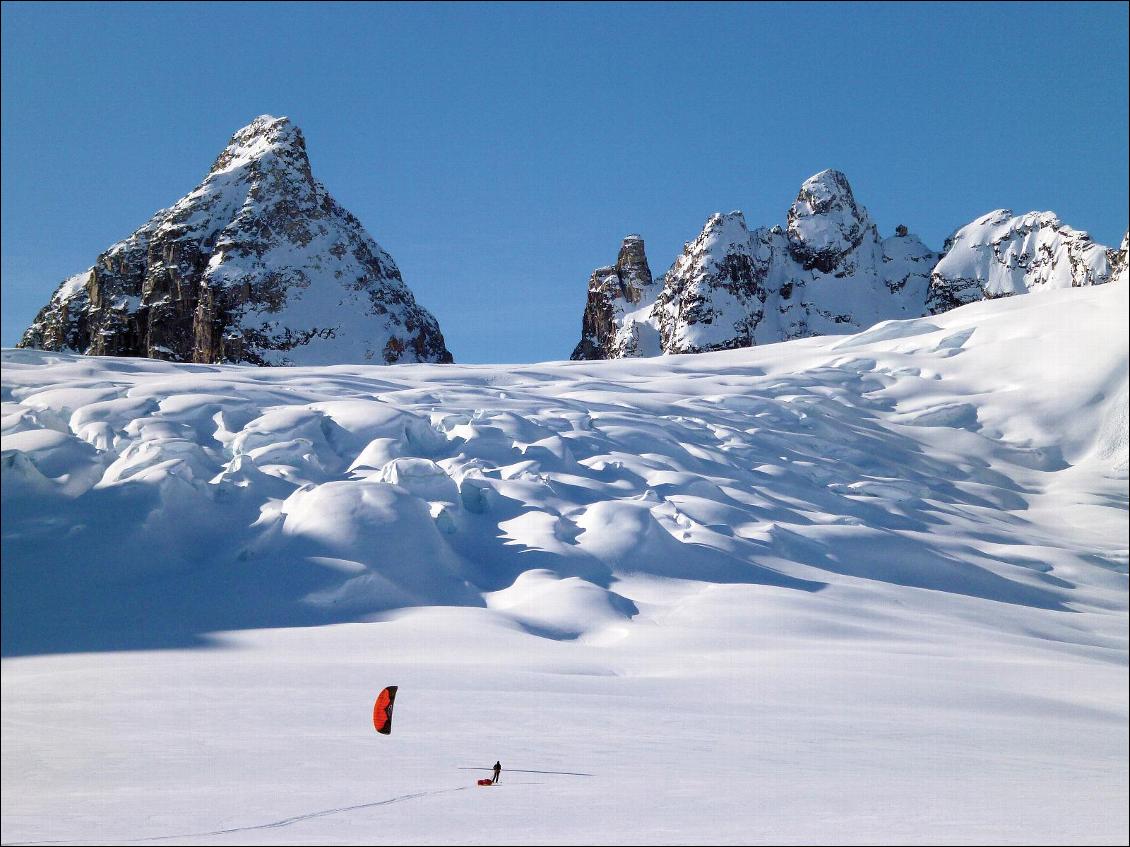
<point>866,587</point>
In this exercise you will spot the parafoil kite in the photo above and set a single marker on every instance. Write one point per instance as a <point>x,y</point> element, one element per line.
<point>382,710</point>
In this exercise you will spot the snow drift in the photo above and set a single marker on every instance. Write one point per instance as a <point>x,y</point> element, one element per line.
<point>148,503</point>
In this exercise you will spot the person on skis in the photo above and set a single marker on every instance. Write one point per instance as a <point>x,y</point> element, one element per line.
<point>497,771</point>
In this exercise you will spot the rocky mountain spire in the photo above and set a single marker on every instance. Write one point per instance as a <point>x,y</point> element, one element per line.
<point>632,269</point>
<point>610,326</point>
<point>258,264</point>
<point>825,223</point>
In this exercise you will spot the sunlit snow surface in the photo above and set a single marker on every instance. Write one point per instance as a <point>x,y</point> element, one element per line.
<point>849,590</point>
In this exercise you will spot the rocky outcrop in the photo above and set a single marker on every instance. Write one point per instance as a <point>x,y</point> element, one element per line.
<point>1120,260</point>
<point>258,264</point>
<point>612,326</point>
<point>1001,254</point>
<point>827,271</point>
<point>825,225</point>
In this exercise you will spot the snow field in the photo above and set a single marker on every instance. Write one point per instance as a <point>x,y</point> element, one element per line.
<point>852,590</point>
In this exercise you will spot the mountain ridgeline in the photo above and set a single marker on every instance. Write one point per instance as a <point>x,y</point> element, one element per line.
<point>827,271</point>
<point>258,264</point>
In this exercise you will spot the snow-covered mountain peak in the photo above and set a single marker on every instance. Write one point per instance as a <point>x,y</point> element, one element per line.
<point>713,293</point>
<point>829,272</point>
<point>257,264</point>
<point>722,235</point>
<point>825,191</point>
<point>725,228</point>
<point>263,171</point>
<point>825,222</point>
<point>264,135</point>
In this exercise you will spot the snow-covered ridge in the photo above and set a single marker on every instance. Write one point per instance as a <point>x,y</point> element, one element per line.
<point>257,264</point>
<point>828,272</point>
<point>1002,254</point>
<point>312,495</point>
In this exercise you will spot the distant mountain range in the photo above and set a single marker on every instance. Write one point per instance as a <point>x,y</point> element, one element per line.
<point>827,271</point>
<point>259,264</point>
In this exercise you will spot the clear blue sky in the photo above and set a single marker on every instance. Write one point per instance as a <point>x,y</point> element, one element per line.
<point>500,152</point>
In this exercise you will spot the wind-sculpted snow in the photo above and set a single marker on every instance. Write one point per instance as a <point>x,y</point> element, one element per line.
<point>867,589</point>
<point>149,503</point>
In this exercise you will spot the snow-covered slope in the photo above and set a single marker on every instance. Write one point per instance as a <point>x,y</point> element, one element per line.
<point>257,264</point>
<point>859,589</point>
<point>1002,254</point>
<point>387,488</point>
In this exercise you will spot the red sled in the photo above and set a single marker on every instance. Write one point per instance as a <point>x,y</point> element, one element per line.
<point>484,782</point>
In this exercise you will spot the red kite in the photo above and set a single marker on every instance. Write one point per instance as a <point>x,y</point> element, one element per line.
<point>382,710</point>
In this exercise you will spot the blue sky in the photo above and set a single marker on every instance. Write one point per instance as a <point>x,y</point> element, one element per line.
<point>500,152</point>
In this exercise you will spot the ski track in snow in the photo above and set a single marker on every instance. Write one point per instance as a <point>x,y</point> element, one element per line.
<point>272,825</point>
<point>522,770</point>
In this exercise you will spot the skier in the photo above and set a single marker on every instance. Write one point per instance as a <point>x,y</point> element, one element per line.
<point>497,771</point>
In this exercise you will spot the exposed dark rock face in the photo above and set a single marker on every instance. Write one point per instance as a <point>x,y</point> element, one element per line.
<point>598,324</point>
<point>1120,260</point>
<point>608,329</point>
<point>258,264</point>
<point>631,268</point>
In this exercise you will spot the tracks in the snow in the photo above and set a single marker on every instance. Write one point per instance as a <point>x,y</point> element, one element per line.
<point>271,825</point>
